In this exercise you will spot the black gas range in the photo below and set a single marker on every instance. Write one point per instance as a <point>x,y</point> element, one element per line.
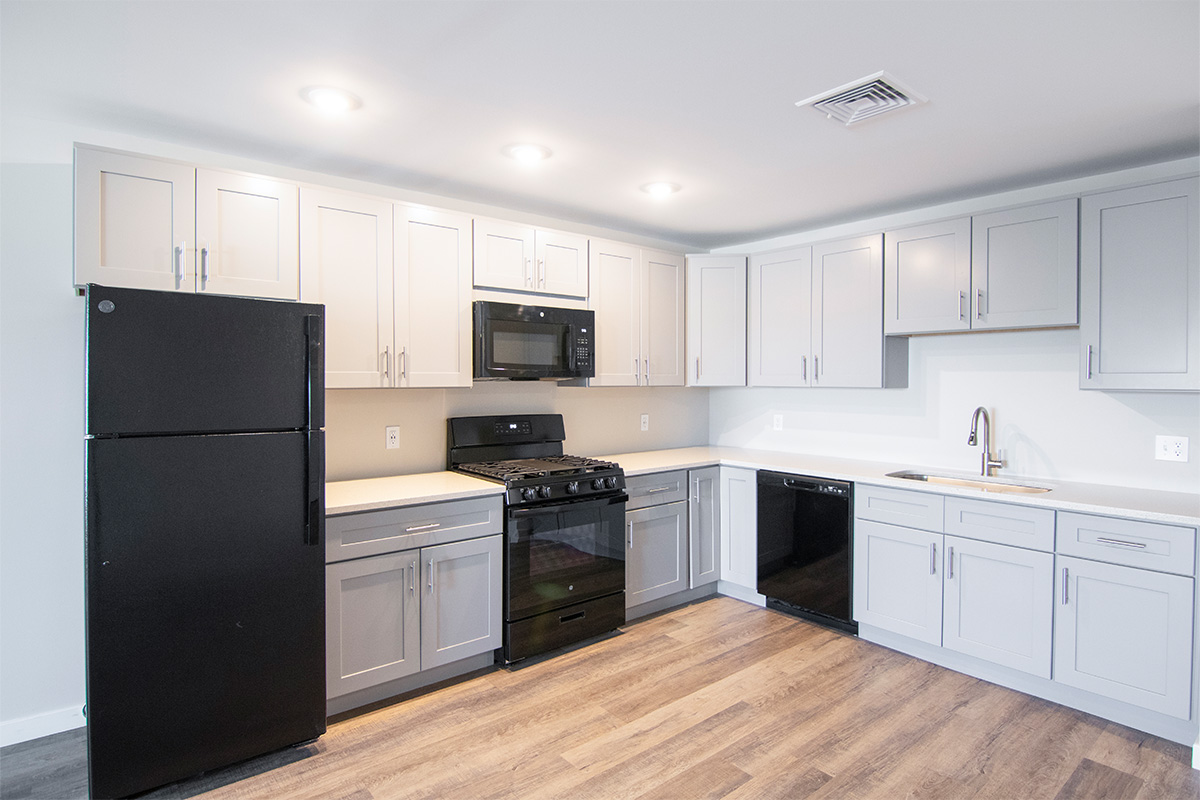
<point>564,560</point>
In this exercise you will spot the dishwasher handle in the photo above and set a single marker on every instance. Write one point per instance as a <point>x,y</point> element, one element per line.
<point>804,483</point>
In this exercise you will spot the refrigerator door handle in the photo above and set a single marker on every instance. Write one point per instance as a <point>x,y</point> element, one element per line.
<point>314,528</point>
<point>314,332</point>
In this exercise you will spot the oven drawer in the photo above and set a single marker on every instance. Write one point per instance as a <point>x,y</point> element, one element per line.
<point>656,489</point>
<point>373,533</point>
<point>1149,545</point>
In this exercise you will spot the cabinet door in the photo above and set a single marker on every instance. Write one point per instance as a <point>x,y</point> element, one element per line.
<point>998,604</point>
<point>716,320</point>
<point>1124,633</point>
<point>503,255</point>
<point>780,324</point>
<point>346,263</point>
<point>927,278</point>
<point>372,622</point>
<point>616,297</point>
<point>561,261</point>
<point>897,580</point>
<point>739,527</point>
<point>247,232</point>
<point>847,322</point>
<point>460,610</point>
<point>656,563</point>
<point>135,222</point>
<point>704,518</point>
<point>662,318</point>
<point>432,297</point>
<point>1139,302</point>
<point>1025,267</point>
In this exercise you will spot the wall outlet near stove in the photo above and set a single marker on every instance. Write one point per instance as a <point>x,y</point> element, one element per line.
<point>777,422</point>
<point>392,442</point>
<point>645,422</point>
<point>1171,448</point>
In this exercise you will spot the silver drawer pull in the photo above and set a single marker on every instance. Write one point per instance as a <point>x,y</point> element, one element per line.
<point>659,489</point>
<point>423,527</point>
<point>1122,543</point>
<point>1066,586</point>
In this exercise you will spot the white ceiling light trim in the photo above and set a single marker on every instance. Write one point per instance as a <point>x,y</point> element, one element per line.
<point>331,99</point>
<point>865,98</point>
<point>527,153</point>
<point>660,188</point>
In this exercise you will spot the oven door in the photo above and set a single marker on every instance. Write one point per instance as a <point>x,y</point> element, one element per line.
<point>563,553</point>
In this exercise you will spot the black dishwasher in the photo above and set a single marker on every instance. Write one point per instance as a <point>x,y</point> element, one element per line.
<point>804,547</point>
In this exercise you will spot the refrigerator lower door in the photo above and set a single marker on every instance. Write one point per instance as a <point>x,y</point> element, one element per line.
<point>205,613</point>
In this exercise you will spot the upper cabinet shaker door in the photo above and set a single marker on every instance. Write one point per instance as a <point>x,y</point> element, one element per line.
<point>780,329</point>
<point>1140,288</point>
<point>616,297</point>
<point>135,221</point>
<point>561,263</point>
<point>662,318</point>
<point>716,320</point>
<point>247,234</point>
<point>1025,266</point>
<point>503,255</point>
<point>346,263</point>
<point>847,317</point>
<point>927,278</point>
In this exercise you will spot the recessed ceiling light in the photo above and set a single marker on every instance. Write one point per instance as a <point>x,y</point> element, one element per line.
<point>527,153</point>
<point>330,99</point>
<point>661,188</point>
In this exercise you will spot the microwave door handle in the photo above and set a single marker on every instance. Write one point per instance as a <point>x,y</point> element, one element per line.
<point>571,354</point>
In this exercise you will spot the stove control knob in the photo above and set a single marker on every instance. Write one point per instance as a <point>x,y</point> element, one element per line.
<point>573,487</point>
<point>529,493</point>
<point>610,482</point>
<point>598,483</point>
<point>544,491</point>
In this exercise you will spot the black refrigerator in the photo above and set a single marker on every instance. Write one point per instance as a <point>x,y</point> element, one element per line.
<point>205,533</point>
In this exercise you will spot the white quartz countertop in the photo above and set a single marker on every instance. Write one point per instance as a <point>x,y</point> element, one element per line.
<point>347,497</point>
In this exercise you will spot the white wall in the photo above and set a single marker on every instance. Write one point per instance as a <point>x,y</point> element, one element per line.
<point>1045,426</point>
<point>41,457</point>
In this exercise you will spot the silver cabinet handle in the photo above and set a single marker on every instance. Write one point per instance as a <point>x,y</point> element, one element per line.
<point>1089,363</point>
<point>431,574</point>
<point>816,369</point>
<point>804,368</point>
<point>696,490</point>
<point>637,372</point>
<point>630,535</point>
<point>933,558</point>
<point>1066,586</point>
<point>962,301</point>
<point>427,527</point>
<point>412,577</point>
<point>979,304</point>
<point>542,272</point>
<point>659,489</point>
<point>646,368</point>
<point>950,564</point>
<point>1121,542</point>
<point>697,368</point>
<point>403,363</point>
<point>529,272</point>
<point>179,262</point>
<point>203,266</point>
<point>387,363</point>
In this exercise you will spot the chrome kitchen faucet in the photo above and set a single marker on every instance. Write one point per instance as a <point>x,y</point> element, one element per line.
<point>989,463</point>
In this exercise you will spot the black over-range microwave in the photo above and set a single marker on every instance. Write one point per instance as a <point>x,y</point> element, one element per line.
<point>520,342</point>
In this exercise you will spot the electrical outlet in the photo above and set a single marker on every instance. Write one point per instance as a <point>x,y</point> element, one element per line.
<point>645,422</point>
<point>393,437</point>
<point>1171,448</point>
<point>777,422</point>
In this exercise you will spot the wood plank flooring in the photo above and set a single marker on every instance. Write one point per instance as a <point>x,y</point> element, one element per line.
<point>718,699</point>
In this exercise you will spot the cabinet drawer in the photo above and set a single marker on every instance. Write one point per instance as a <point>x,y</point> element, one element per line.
<point>656,489</point>
<point>899,507</point>
<point>1149,545</point>
<point>1019,526</point>
<point>375,532</point>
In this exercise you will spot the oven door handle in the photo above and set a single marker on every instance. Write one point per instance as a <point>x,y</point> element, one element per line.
<point>555,507</point>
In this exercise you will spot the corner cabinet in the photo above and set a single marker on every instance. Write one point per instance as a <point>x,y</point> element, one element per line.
<point>638,297</point>
<point>146,223</point>
<point>739,529</point>
<point>396,284</point>
<point>716,320</point>
<point>517,258</point>
<point>1140,288</point>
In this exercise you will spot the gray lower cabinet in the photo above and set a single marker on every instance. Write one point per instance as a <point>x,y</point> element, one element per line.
<point>704,531</point>
<point>461,603</point>
<point>656,563</point>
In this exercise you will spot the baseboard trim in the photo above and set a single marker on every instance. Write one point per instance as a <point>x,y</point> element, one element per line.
<point>15,731</point>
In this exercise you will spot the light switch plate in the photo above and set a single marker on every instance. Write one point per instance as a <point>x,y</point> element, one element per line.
<point>1171,448</point>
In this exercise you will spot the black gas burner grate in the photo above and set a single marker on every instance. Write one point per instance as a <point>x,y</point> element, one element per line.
<point>545,466</point>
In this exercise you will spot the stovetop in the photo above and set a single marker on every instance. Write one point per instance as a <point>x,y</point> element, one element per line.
<point>517,469</point>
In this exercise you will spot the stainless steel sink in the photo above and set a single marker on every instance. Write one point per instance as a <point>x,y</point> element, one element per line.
<point>983,484</point>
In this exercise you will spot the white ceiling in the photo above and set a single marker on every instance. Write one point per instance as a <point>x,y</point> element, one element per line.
<point>697,93</point>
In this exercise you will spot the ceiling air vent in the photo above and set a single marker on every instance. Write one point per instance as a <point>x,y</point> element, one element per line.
<point>873,95</point>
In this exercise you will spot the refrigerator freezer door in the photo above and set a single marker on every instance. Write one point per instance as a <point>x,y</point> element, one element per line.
<point>166,363</point>
<point>205,590</point>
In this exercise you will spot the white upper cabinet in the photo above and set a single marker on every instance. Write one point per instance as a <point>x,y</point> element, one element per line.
<point>1008,269</point>
<point>518,258</point>
<point>1140,288</point>
<point>346,263</point>
<point>144,223</point>
<point>927,278</point>
<point>716,320</point>
<point>638,298</point>
<point>1025,266</point>
<point>433,297</point>
<point>780,318</point>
